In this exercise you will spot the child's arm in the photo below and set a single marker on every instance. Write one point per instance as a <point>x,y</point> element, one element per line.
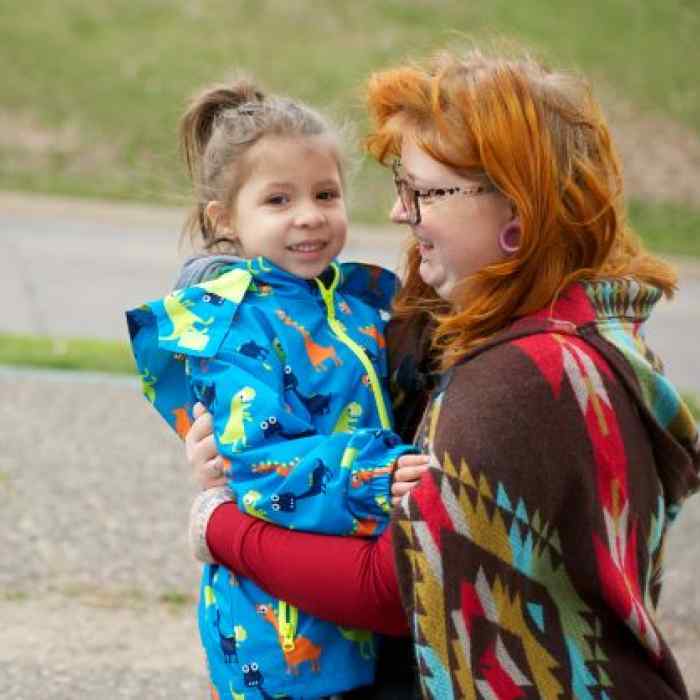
<point>207,464</point>
<point>284,471</point>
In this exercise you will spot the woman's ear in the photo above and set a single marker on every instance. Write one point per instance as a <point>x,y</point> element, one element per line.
<point>218,217</point>
<point>509,238</point>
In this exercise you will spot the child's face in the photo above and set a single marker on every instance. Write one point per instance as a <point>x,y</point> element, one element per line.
<point>291,209</point>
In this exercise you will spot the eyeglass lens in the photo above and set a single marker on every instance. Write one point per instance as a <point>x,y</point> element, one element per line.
<point>406,194</point>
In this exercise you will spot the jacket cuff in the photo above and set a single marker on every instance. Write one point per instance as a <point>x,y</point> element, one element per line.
<point>205,503</point>
<point>369,489</point>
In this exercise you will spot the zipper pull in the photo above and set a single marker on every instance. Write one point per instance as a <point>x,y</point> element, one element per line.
<point>287,620</point>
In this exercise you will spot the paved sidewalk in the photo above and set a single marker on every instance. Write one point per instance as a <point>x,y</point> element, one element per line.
<point>71,268</point>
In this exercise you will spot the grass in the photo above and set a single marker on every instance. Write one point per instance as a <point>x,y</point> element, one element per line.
<point>177,601</point>
<point>693,404</point>
<point>667,228</point>
<point>112,357</point>
<point>91,93</point>
<point>76,354</point>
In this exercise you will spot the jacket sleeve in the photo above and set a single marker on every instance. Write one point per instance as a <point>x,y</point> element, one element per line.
<point>280,468</point>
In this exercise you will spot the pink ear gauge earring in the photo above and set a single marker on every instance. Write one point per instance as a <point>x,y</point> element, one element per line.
<point>509,238</point>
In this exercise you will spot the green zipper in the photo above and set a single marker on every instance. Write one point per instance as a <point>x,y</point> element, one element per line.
<point>287,621</point>
<point>336,326</point>
<point>288,615</point>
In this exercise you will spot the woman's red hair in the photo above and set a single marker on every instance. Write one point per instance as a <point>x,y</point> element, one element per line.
<point>540,137</point>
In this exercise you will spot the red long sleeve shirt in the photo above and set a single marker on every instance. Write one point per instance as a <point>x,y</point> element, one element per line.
<point>350,581</point>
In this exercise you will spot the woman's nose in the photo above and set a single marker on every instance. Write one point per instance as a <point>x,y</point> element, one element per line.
<point>398,214</point>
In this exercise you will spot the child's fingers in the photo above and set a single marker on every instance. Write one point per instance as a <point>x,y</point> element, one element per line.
<point>403,474</point>
<point>412,460</point>
<point>400,489</point>
<point>200,430</point>
<point>198,409</point>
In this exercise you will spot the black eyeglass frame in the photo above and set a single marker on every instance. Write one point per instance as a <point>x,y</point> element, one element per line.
<point>410,197</point>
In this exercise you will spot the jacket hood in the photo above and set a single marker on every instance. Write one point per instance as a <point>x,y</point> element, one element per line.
<point>203,267</point>
<point>621,309</point>
<point>611,315</point>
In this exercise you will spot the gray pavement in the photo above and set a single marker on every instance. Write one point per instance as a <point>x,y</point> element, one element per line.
<point>97,588</point>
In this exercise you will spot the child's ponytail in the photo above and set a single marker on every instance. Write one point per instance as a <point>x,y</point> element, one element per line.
<point>204,157</point>
<point>198,121</point>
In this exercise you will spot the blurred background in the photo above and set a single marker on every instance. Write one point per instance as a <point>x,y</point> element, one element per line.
<point>91,92</point>
<point>96,584</point>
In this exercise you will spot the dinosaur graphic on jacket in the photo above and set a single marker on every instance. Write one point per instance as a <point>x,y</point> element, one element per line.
<point>303,649</point>
<point>287,501</point>
<point>234,433</point>
<point>185,322</point>
<point>316,353</point>
<point>349,417</point>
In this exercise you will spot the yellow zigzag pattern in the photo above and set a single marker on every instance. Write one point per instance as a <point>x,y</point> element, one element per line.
<point>470,513</point>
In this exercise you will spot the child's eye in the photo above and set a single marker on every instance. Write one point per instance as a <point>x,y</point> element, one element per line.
<point>327,195</point>
<point>277,199</point>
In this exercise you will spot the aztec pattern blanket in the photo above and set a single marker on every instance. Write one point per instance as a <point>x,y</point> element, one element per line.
<point>530,561</point>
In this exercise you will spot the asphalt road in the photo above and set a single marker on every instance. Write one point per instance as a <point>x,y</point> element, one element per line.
<point>96,584</point>
<point>71,268</point>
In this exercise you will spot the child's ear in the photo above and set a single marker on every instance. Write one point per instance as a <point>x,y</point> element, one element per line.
<point>218,217</point>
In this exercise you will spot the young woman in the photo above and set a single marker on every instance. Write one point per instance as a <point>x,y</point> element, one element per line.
<point>528,563</point>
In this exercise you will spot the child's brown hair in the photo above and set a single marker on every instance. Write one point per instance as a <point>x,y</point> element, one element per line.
<point>220,126</point>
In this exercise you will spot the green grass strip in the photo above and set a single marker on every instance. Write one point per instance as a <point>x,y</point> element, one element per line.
<point>693,404</point>
<point>666,227</point>
<point>74,354</point>
<point>106,356</point>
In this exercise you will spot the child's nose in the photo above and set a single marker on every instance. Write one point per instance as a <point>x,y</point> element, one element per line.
<point>310,215</point>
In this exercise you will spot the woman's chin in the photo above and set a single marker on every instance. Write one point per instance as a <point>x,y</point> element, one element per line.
<point>427,274</point>
<point>439,284</point>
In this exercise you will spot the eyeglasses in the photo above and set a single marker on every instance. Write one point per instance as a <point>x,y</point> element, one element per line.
<point>410,197</point>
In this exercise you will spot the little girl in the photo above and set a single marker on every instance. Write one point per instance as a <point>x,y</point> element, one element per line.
<point>285,348</point>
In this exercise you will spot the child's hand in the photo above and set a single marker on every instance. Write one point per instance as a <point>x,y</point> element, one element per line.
<point>409,469</point>
<point>207,464</point>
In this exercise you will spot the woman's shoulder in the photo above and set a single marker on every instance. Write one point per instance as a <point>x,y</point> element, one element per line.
<point>527,354</point>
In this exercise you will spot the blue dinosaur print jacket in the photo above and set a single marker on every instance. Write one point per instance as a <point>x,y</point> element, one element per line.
<point>294,372</point>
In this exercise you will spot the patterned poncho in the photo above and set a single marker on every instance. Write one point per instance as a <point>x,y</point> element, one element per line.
<point>530,562</point>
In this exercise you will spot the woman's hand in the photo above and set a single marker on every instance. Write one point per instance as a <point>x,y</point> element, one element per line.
<point>409,469</point>
<point>207,464</point>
